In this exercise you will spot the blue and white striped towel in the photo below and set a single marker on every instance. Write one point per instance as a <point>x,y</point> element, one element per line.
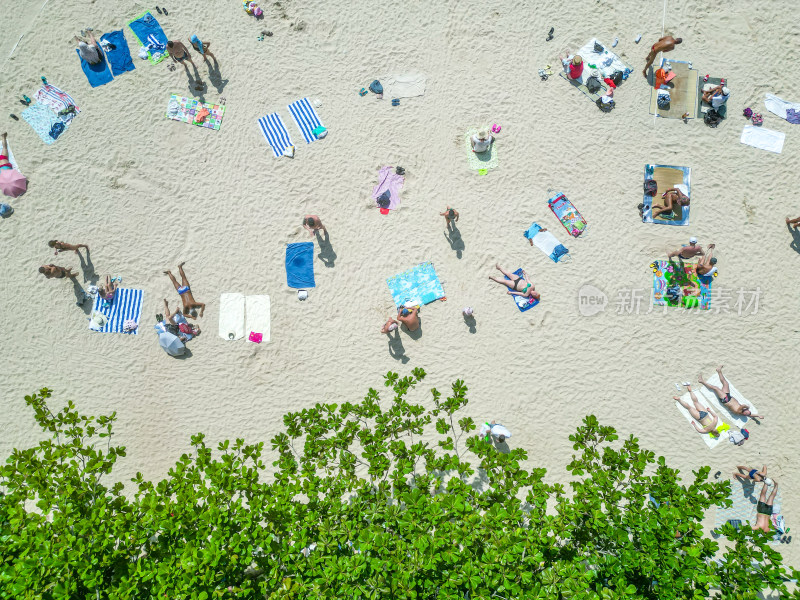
<point>275,133</point>
<point>305,117</point>
<point>127,304</point>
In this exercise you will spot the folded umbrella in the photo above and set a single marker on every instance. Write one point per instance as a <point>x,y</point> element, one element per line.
<point>12,182</point>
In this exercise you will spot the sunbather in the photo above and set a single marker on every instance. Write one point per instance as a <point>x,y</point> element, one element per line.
<point>53,271</point>
<point>179,53</point>
<point>63,246</point>
<point>449,214</point>
<point>574,67</point>
<point>409,317</point>
<point>481,141</point>
<point>764,508</point>
<point>108,289</point>
<point>313,223</point>
<point>389,326</point>
<point>201,48</point>
<point>517,286</point>
<point>5,164</point>
<point>185,292</point>
<point>90,52</point>
<point>665,44</point>
<point>706,266</point>
<point>716,96</point>
<point>724,395</point>
<point>687,252</point>
<point>751,474</point>
<point>187,331</point>
<point>705,417</point>
<point>793,222</point>
<point>674,201</point>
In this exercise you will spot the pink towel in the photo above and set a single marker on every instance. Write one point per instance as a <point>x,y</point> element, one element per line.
<point>388,179</point>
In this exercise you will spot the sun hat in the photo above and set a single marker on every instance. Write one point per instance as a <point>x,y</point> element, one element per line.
<point>692,240</point>
<point>576,60</point>
<point>483,134</point>
<point>98,320</point>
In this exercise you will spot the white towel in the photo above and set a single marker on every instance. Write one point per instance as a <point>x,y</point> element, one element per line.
<point>709,439</point>
<point>711,397</point>
<point>257,316</point>
<point>407,85</point>
<point>231,316</point>
<point>766,139</point>
<point>779,106</point>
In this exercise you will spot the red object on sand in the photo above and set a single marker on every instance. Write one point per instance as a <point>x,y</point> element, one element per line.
<point>384,211</point>
<point>12,182</point>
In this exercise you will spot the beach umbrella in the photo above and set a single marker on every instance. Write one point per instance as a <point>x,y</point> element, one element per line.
<point>171,344</point>
<point>12,182</point>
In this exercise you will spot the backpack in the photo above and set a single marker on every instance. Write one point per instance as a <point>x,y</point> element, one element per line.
<point>617,77</point>
<point>663,99</point>
<point>650,187</point>
<point>603,106</point>
<point>599,48</point>
<point>712,118</point>
<point>593,85</point>
<point>375,87</point>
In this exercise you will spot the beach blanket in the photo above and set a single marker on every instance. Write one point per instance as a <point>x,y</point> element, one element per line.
<point>668,274</point>
<point>151,36</point>
<point>389,180</point>
<point>306,118</point>
<point>523,303</point>
<point>41,119</point>
<point>683,93</point>
<point>418,286</point>
<point>98,74</point>
<point>738,420</point>
<point>127,305</point>
<point>606,63</point>
<point>667,177</point>
<point>765,139</point>
<point>300,265</point>
<point>569,216</point>
<point>231,316</point>
<point>257,318</point>
<point>779,106</point>
<point>546,242</point>
<point>480,161</point>
<point>57,100</point>
<point>711,441</point>
<point>181,108</point>
<point>407,85</point>
<point>702,106</point>
<point>120,57</point>
<point>745,496</point>
<point>275,133</point>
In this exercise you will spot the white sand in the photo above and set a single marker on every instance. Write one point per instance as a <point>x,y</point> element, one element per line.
<point>146,193</point>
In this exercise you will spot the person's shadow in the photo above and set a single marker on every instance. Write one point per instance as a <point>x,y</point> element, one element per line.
<point>87,267</point>
<point>471,323</point>
<point>795,243</point>
<point>326,252</point>
<point>82,300</point>
<point>416,334</point>
<point>396,348</point>
<point>453,237</point>
<point>215,76</point>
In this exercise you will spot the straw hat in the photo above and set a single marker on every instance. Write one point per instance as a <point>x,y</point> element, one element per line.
<point>483,134</point>
<point>576,60</point>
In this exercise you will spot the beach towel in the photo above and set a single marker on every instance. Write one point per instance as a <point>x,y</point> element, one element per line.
<point>98,74</point>
<point>231,316</point>
<point>57,100</point>
<point>418,285</point>
<point>480,161</point>
<point>569,216</point>
<point>683,93</point>
<point>181,108</point>
<point>127,304</point>
<point>275,133</point>
<point>710,440</point>
<point>120,57</point>
<point>738,420</point>
<point>10,155</point>
<point>745,496</point>
<point>605,62</point>
<point>389,180</point>
<point>760,137</point>
<point>523,303</point>
<point>779,106</point>
<point>667,177</point>
<point>300,265</point>
<point>407,85</point>
<point>306,118</point>
<point>151,36</point>
<point>702,106</point>
<point>668,274</point>
<point>41,119</point>
<point>547,243</point>
<point>257,317</point>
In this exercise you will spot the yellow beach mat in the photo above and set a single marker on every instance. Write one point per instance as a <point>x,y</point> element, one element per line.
<point>666,178</point>
<point>683,94</point>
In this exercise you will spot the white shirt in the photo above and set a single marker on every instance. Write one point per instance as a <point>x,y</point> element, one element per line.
<point>481,145</point>
<point>495,430</point>
<point>718,100</point>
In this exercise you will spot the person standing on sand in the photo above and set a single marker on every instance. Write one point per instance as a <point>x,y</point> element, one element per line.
<point>498,433</point>
<point>179,53</point>
<point>185,292</point>
<point>63,246</point>
<point>450,215</point>
<point>665,44</point>
<point>723,394</point>
<point>53,271</point>
<point>687,252</point>
<point>706,417</point>
<point>202,48</point>
<point>409,317</point>
<point>313,223</point>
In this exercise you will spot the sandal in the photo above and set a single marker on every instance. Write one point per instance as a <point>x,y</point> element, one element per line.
<point>159,10</point>
<point>549,35</point>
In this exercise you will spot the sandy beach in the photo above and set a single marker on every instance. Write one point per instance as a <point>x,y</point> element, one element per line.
<point>147,193</point>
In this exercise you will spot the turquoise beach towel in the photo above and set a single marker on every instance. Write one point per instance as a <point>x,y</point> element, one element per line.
<point>419,285</point>
<point>42,120</point>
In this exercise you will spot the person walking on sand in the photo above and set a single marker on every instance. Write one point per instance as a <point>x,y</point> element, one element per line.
<point>202,48</point>
<point>665,44</point>
<point>185,292</point>
<point>313,224</point>
<point>494,432</point>
<point>751,474</point>
<point>687,252</point>
<point>409,317</point>
<point>706,417</point>
<point>53,271</point>
<point>390,326</point>
<point>517,286</point>
<point>64,246</point>
<point>723,394</point>
<point>450,215</point>
<point>180,54</point>
<point>764,508</point>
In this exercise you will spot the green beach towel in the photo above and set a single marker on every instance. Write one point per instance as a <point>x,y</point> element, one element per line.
<point>483,161</point>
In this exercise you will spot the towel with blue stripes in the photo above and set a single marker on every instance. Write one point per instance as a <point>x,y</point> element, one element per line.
<point>275,133</point>
<point>127,305</point>
<point>306,118</point>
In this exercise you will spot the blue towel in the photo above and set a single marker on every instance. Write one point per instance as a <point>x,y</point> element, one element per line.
<point>300,265</point>
<point>523,303</point>
<point>98,74</point>
<point>120,57</point>
<point>127,304</point>
<point>149,33</point>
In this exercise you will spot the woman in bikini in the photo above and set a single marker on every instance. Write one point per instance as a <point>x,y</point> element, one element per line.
<point>64,246</point>
<point>764,508</point>
<point>706,417</point>
<point>54,271</point>
<point>747,474</point>
<point>723,394</point>
<point>185,292</point>
<point>674,198</point>
<point>517,286</point>
<point>108,289</point>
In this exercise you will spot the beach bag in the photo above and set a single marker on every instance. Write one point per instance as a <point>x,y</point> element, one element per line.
<point>599,48</point>
<point>384,199</point>
<point>375,87</point>
<point>605,107</point>
<point>663,99</point>
<point>650,187</point>
<point>593,85</point>
<point>617,77</point>
<point>712,118</point>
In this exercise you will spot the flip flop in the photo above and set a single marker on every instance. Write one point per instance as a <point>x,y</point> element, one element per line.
<point>159,10</point>
<point>166,12</point>
<point>550,34</point>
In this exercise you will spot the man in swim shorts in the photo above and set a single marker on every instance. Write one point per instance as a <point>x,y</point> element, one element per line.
<point>185,292</point>
<point>687,252</point>
<point>179,53</point>
<point>723,394</point>
<point>665,44</point>
<point>764,508</point>
<point>752,474</point>
<point>706,266</point>
<point>312,223</point>
<point>706,417</point>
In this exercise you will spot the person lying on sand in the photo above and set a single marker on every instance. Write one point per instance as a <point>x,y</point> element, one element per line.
<point>90,52</point>
<point>517,286</point>
<point>752,474</point>
<point>185,292</point>
<point>409,317</point>
<point>389,326</point>
<point>674,201</point>
<point>108,289</point>
<point>313,223</point>
<point>687,252</point>
<point>450,215</point>
<point>706,266</point>
<point>665,44</point>
<point>179,53</point>
<point>706,417</point>
<point>176,318</point>
<point>64,246</point>
<point>764,508</point>
<point>724,395</point>
<point>5,164</point>
<point>481,141</point>
<point>53,271</point>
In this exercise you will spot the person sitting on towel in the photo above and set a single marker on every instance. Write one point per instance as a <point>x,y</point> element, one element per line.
<point>706,417</point>
<point>663,77</point>
<point>187,331</point>
<point>517,286</point>
<point>723,394</point>
<point>108,289</point>
<point>90,52</point>
<point>409,317</point>
<point>574,67</point>
<point>716,96</point>
<point>706,267</point>
<point>481,141</point>
<point>674,198</point>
